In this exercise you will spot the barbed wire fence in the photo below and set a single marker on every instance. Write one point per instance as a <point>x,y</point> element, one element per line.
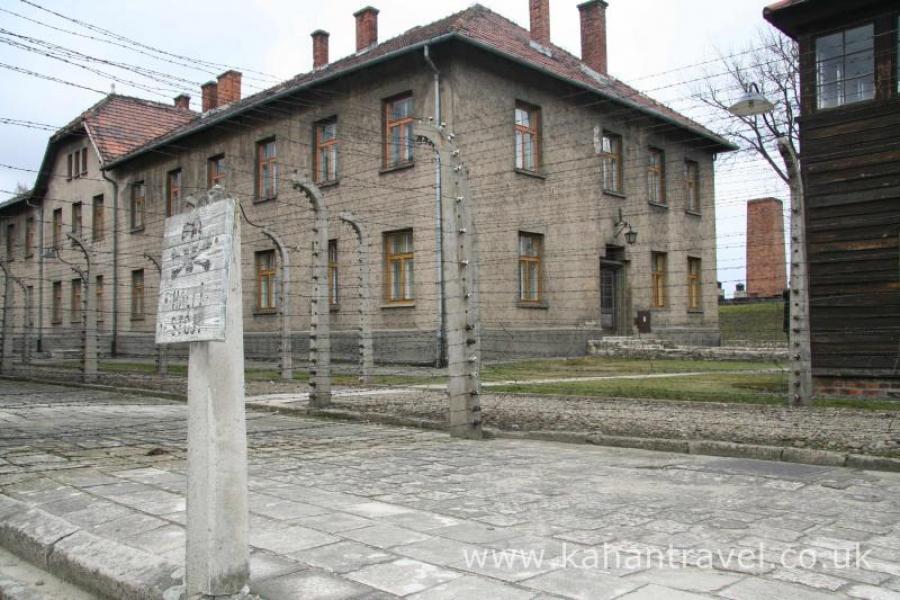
<point>499,334</point>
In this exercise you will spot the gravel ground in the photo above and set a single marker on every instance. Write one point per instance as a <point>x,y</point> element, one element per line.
<point>845,430</point>
<point>858,431</point>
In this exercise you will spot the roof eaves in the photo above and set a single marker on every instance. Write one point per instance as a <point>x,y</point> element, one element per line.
<point>18,198</point>
<point>696,129</point>
<point>90,136</point>
<point>214,119</point>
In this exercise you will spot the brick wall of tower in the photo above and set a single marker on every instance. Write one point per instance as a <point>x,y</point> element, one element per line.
<point>766,272</point>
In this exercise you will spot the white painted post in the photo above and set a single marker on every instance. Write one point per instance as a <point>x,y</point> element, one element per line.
<point>319,331</point>
<point>800,380</point>
<point>200,302</point>
<point>461,288</point>
<point>366,350</point>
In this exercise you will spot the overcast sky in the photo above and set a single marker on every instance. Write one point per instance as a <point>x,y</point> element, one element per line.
<point>659,46</point>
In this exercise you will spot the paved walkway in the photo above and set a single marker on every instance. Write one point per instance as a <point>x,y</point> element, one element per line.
<point>347,510</point>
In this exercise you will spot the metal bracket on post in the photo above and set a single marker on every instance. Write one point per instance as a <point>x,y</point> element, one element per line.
<point>460,256</point>
<point>162,353</point>
<point>319,332</point>
<point>800,379</point>
<point>286,348</point>
<point>88,314</point>
<point>366,352</point>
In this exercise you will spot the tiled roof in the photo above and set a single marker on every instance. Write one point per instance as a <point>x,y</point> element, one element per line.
<point>120,124</point>
<point>477,25</point>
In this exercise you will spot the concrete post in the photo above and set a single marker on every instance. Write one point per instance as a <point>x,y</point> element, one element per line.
<point>286,350</point>
<point>28,335</point>
<point>366,352</point>
<point>218,557</point>
<point>286,347</point>
<point>319,332</point>
<point>88,316</point>
<point>461,287</point>
<point>162,352</point>
<point>800,380</point>
<point>26,319</point>
<point>6,346</point>
<point>287,359</point>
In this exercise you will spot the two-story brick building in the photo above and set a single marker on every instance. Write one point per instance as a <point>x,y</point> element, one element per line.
<point>564,161</point>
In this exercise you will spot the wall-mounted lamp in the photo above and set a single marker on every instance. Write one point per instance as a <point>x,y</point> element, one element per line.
<point>623,225</point>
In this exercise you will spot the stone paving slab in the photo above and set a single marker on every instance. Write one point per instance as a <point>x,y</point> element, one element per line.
<point>351,510</point>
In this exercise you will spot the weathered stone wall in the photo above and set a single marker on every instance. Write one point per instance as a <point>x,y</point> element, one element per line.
<point>563,201</point>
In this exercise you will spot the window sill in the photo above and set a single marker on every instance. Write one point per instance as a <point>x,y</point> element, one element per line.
<point>541,305</point>
<point>527,173</point>
<point>259,312</point>
<point>334,308</point>
<point>693,213</point>
<point>695,311</point>
<point>56,322</point>
<point>659,308</point>
<point>137,229</point>
<point>136,319</point>
<point>30,255</point>
<point>328,184</point>
<point>659,205</point>
<point>258,200</point>
<point>391,305</point>
<point>615,194</point>
<point>397,167</point>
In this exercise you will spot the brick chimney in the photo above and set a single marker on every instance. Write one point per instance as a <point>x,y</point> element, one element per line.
<point>229,87</point>
<point>766,271</point>
<point>210,95</point>
<point>320,49</point>
<point>183,101</point>
<point>366,28</point>
<point>593,35</point>
<point>540,21</point>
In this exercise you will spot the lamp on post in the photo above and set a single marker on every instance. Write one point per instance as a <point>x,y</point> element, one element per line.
<point>752,104</point>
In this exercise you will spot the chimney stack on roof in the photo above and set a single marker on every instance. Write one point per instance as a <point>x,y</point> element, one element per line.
<point>593,35</point>
<point>210,95</point>
<point>366,28</point>
<point>229,88</point>
<point>540,21</point>
<point>183,101</point>
<point>320,49</point>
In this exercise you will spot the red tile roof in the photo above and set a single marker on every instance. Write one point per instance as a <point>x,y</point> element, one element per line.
<point>477,25</point>
<point>120,124</point>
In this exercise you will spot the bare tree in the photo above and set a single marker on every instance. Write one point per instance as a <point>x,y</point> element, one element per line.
<point>773,64</point>
<point>21,188</point>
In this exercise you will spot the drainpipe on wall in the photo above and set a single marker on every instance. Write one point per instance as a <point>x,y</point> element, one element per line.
<point>113,350</point>
<point>441,358</point>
